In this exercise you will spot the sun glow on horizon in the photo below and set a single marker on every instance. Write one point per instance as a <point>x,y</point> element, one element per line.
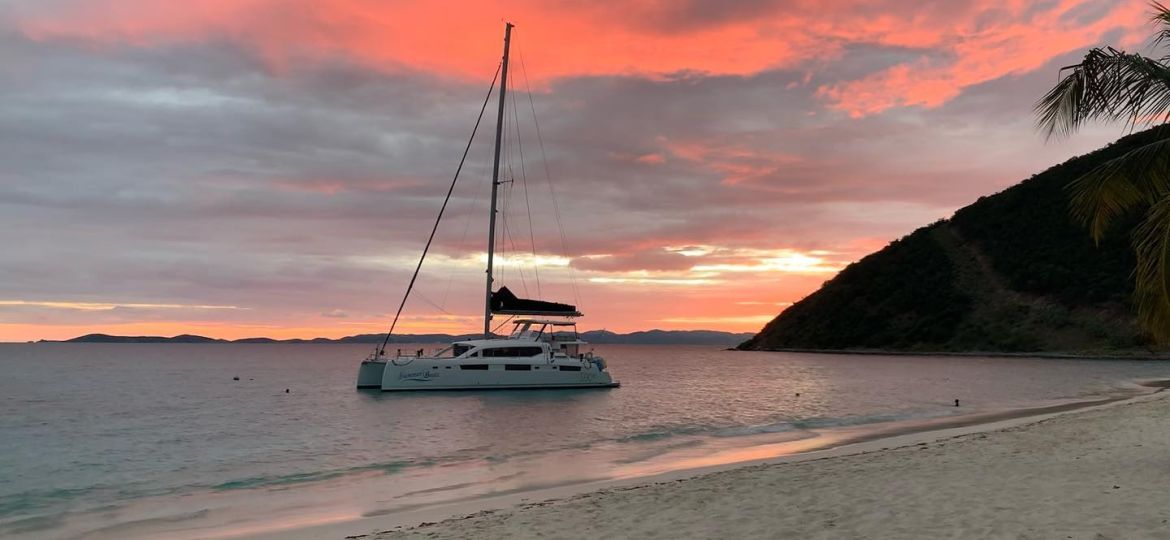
<point>106,306</point>
<point>709,267</point>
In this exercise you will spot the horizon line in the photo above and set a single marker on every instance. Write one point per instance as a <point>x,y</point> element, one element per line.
<point>321,338</point>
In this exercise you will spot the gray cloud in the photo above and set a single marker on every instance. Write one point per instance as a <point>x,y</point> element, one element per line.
<point>194,174</point>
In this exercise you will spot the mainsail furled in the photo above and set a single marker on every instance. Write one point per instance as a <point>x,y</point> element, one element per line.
<point>504,302</point>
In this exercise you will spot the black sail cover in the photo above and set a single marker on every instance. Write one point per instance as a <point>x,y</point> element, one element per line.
<point>506,303</point>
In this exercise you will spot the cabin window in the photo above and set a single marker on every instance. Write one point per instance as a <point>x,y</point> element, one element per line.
<point>517,367</point>
<point>458,350</point>
<point>481,367</point>
<point>570,368</point>
<point>512,352</point>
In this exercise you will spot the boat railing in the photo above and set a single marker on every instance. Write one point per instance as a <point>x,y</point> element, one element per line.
<point>379,355</point>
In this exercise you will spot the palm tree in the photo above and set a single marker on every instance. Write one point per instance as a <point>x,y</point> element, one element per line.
<point>1115,85</point>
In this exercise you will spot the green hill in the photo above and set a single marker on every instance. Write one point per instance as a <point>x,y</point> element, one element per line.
<point>1012,272</point>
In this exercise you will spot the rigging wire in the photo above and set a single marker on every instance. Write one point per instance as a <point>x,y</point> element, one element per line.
<point>506,240</point>
<point>510,239</point>
<point>527,204</point>
<point>382,349</point>
<point>500,270</point>
<point>470,211</point>
<point>424,298</point>
<point>548,176</point>
<point>501,325</point>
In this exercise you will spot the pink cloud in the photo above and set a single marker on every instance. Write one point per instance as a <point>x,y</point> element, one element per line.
<point>650,159</point>
<point>962,43</point>
<point>973,54</point>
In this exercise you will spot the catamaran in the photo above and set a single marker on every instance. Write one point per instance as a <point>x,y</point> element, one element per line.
<point>543,350</point>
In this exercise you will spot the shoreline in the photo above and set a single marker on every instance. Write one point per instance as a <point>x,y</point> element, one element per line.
<point>837,444</point>
<point>1136,355</point>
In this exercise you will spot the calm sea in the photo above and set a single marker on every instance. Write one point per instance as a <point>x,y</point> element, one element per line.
<point>145,440</point>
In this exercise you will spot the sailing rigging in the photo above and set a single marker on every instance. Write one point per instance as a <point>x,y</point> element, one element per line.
<point>541,352</point>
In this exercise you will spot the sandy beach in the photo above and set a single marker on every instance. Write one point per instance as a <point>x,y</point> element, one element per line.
<point>1093,473</point>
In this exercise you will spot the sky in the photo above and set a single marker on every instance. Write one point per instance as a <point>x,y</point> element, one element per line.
<point>237,168</point>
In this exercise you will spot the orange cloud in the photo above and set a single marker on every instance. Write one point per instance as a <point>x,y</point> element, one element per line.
<point>961,44</point>
<point>975,55</point>
<point>650,159</point>
<point>445,37</point>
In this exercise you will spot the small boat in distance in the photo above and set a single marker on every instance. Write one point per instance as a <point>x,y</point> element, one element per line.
<point>543,350</point>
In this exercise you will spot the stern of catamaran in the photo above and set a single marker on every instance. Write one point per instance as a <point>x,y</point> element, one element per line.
<point>370,373</point>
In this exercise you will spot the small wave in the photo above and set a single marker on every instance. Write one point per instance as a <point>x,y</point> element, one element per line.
<point>658,451</point>
<point>709,431</point>
<point>666,433</point>
<point>501,458</point>
<point>783,426</point>
<point>131,525</point>
<point>846,421</point>
<point>440,489</point>
<point>649,436</point>
<point>40,498</point>
<point>31,524</point>
<point>26,505</point>
<point>313,476</point>
<point>743,431</point>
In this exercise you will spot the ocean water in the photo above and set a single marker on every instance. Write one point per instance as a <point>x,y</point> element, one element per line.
<point>159,441</point>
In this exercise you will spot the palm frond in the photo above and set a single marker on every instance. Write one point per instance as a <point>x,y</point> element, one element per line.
<point>1152,283</point>
<point>1138,178</point>
<point>1161,17</point>
<point>1108,84</point>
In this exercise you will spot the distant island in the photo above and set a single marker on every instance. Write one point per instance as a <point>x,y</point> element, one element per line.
<point>648,337</point>
<point>1012,272</point>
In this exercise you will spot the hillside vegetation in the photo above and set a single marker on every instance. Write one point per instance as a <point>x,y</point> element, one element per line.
<point>1012,272</point>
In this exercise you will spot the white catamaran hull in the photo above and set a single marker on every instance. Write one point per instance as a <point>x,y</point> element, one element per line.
<point>370,375</point>
<point>500,374</point>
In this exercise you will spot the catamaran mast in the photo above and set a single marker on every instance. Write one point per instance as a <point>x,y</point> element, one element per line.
<point>491,250</point>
